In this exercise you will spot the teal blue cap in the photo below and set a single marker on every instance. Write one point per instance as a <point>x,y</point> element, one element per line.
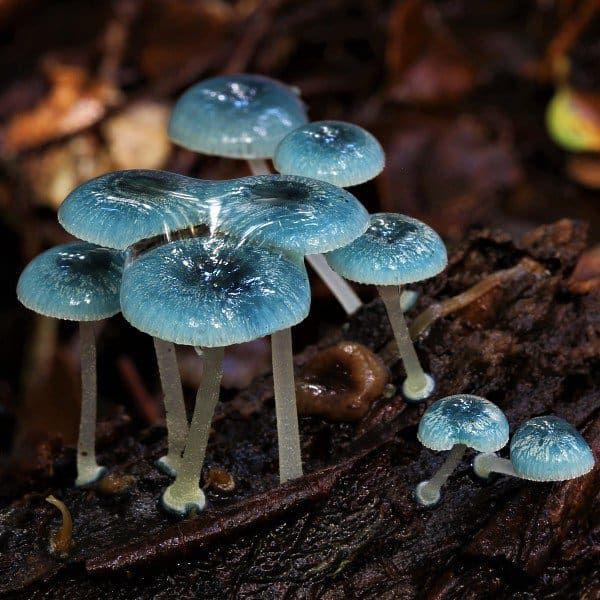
<point>394,250</point>
<point>237,116</point>
<point>214,291</point>
<point>549,449</point>
<point>299,214</point>
<point>463,419</point>
<point>334,151</point>
<point>76,281</point>
<point>121,208</point>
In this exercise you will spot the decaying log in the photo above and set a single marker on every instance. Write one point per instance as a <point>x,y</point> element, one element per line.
<point>350,528</point>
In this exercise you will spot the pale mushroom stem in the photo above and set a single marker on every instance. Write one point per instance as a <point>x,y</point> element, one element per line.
<point>88,469</point>
<point>259,166</point>
<point>418,385</point>
<point>338,286</point>
<point>487,463</point>
<point>177,424</point>
<point>288,435</point>
<point>428,492</point>
<point>184,493</point>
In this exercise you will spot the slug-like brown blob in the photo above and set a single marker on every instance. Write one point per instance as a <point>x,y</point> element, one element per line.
<point>341,382</point>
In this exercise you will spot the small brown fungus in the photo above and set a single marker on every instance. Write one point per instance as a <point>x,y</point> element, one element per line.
<point>341,382</point>
<point>61,540</point>
<point>219,480</point>
<point>115,485</point>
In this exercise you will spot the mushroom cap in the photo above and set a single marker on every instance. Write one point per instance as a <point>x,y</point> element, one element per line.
<point>214,291</point>
<point>549,449</point>
<point>463,419</point>
<point>394,250</point>
<point>298,214</point>
<point>334,151</point>
<point>77,281</point>
<point>238,116</point>
<point>121,208</point>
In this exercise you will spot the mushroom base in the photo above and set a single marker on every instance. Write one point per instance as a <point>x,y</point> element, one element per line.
<point>417,391</point>
<point>181,502</point>
<point>90,474</point>
<point>167,465</point>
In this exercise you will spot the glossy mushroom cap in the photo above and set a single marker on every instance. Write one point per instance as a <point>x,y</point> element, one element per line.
<point>549,449</point>
<point>299,214</point>
<point>340,153</point>
<point>237,116</point>
<point>121,208</point>
<point>214,291</point>
<point>463,419</point>
<point>394,250</point>
<point>77,281</point>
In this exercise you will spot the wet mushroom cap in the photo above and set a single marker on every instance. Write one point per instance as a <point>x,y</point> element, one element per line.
<point>463,419</point>
<point>77,281</point>
<point>394,250</point>
<point>121,208</point>
<point>236,116</point>
<point>214,291</point>
<point>549,449</point>
<point>334,151</point>
<point>299,214</point>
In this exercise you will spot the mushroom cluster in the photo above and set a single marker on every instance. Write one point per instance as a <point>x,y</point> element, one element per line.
<point>544,448</point>
<point>213,263</point>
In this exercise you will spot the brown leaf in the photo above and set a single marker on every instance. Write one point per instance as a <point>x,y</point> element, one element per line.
<point>75,101</point>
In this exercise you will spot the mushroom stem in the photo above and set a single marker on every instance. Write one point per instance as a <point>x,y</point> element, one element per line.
<point>337,285</point>
<point>418,385</point>
<point>177,424</point>
<point>441,309</point>
<point>184,494</point>
<point>488,462</point>
<point>288,435</point>
<point>428,492</point>
<point>259,166</point>
<point>88,469</point>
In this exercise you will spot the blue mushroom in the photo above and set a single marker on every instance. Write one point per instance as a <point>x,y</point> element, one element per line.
<point>334,151</point>
<point>298,214</point>
<point>342,154</point>
<point>542,449</point>
<point>236,116</point>
<point>78,282</point>
<point>121,208</point>
<point>456,423</point>
<point>395,250</point>
<point>212,292</point>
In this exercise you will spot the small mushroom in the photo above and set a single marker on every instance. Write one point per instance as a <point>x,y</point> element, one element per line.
<point>213,292</point>
<point>542,449</point>
<point>340,153</point>
<point>456,423</point>
<point>340,383</point>
<point>395,250</point>
<point>77,281</point>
